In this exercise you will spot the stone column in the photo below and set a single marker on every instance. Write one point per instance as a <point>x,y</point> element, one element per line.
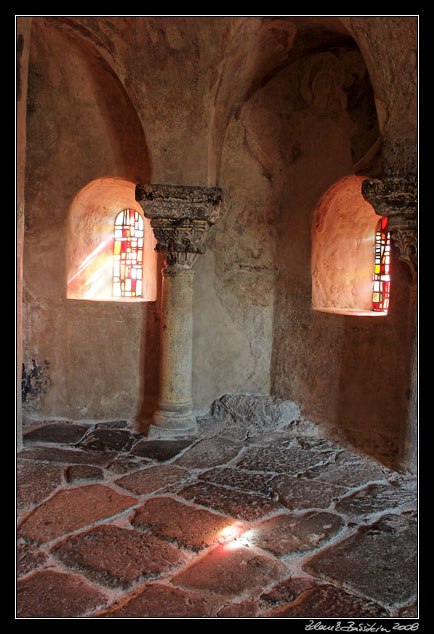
<point>180,218</point>
<point>396,198</point>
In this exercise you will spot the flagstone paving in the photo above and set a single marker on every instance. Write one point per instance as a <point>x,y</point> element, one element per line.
<point>221,524</point>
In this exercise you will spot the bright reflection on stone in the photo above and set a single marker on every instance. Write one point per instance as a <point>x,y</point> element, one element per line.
<point>230,536</point>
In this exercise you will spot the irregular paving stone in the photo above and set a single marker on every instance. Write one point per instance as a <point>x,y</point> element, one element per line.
<point>81,473</point>
<point>284,534</point>
<point>67,456</point>
<point>36,481</point>
<point>254,482</point>
<point>326,601</point>
<point>244,610</point>
<point>187,526</point>
<point>153,479</point>
<point>290,460</point>
<point>108,440</point>
<point>71,509</point>
<point>162,601</point>
<point>229,571</point>
<point>375,498</point>
<point>237,504</point>
<point>353,474</point>
<point>301,493</point>
<point>29,558</point>
<point>50,594</point>
<point>208,453</point>
<point>61,433</point>
<point>288,590</point>
<point>378,562</point>
<point>160,450</point>
<point>116,556</point>
<point>409,612</point>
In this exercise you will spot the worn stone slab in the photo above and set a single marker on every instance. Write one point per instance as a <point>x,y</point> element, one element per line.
<point>326,601</point>
<point>255,412</point>
<point>36,481</point>
<point>188,526</point>
<point>290,460</point>
<point>117,557</point>
<point>160,450</point>
<point>154,478</point>
<point>285,534</point>
<point>159,600</point>
<point>107,439</point>
<point>378,562</point>
<point>376,498</point>
<point>351,475</point>
<point>61,433</point>
<point>67,456</point>
<point>208,453</point>
<point>229,571</point>
<point>301,493</point>
<point>29,558</point>
<point>83,473</point>
<point>236,479</point>
<point>288,590</point>
<point>71,509</point>
<point>49,594</point>
<point>238,504</point>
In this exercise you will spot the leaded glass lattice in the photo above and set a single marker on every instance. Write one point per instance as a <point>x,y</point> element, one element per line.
<point>381,277</point>
<point>128,254</point>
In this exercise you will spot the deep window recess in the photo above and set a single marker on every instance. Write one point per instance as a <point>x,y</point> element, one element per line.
<point>128,254</point>
<point>381,278</point>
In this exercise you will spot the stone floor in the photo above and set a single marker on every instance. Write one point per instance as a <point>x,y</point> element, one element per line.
<point>232,522</point>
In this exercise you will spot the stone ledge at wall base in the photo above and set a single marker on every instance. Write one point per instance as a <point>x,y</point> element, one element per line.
<point>255,412</point>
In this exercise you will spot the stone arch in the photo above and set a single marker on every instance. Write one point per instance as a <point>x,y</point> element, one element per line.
<point>342,258</point>
<point>90,227</point>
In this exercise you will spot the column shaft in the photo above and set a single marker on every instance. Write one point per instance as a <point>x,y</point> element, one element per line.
<point>175,401</point>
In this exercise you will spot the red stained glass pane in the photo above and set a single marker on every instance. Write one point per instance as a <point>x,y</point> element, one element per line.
<point>129,225</point>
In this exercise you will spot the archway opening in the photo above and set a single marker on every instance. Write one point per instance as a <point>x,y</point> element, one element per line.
<point>92,245</point>
<point>343,257</point>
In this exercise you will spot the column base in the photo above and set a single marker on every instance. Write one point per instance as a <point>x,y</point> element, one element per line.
<point>174,420</point>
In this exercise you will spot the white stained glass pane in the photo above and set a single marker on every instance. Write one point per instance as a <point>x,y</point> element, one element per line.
<point>139,273</point>
<point>133,273</point>
<point>138,287</point>
<point>120,218</point>
<point>117,289</point>
<point>139,223</point>
<point>118,233</point>
<point>140,241</point>
<point>117,269</point>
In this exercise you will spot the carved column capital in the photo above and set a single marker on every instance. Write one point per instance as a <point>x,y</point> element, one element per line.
<point>396,198</point>
<point>180,218</point>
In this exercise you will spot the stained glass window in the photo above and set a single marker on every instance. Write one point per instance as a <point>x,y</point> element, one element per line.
<point>381,278</point>
<point>128,254</point>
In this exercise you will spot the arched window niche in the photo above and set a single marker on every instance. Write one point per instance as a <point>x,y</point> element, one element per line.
<point>91,230</point>
<point>343,251</point>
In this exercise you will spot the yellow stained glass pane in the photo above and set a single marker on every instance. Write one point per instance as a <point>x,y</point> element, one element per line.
<point>117,247</point>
